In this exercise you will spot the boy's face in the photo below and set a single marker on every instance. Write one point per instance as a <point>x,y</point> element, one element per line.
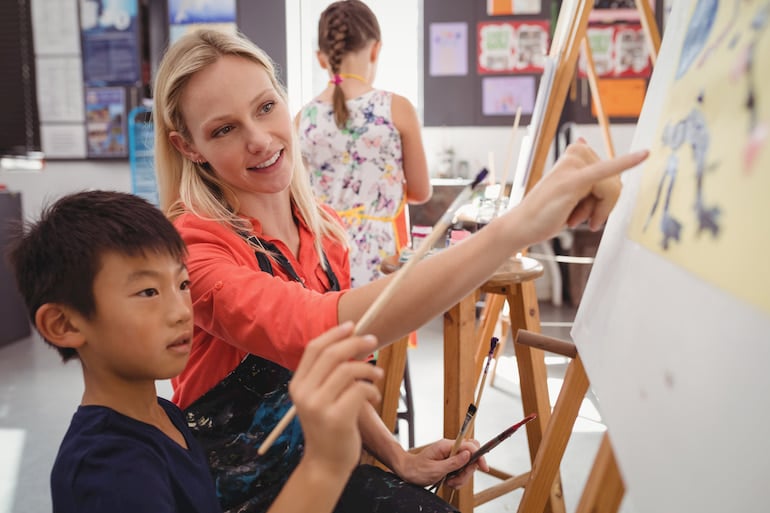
<point>143,324</point>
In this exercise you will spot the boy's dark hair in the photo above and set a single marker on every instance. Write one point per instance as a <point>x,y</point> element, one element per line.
<point>57,258</point>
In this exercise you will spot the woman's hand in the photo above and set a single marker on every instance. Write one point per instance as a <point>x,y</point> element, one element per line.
<point>330,389</point>
<point>431,464</point>
<point>580,187</point>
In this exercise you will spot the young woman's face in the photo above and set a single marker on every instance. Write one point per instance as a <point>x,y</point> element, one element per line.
<point>239,124</point>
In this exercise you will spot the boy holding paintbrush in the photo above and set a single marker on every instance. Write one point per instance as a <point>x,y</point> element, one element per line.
<point>104,279</point>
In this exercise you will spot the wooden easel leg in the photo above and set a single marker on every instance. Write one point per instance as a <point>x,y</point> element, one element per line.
<point>604,489</point>
<point>459,382</point>
<point>533,379</point>
<point>392,359</point>
<point>545,469</point>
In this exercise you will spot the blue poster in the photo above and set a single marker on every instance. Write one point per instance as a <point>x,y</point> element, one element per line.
<point>110,34</point>
<point>187,15</point>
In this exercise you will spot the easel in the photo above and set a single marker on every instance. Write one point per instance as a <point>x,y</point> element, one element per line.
<point>548,436</point>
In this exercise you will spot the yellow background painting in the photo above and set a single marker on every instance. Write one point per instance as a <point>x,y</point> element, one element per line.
<point>722,72</point>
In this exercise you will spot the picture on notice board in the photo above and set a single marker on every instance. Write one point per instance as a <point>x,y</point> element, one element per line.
<point>106,122</point>
<point>610,11</point>
<point>448,49</point>
<point>109,31</point>
<point>188,15</point>
<point>512,46</point>
<point>706,181</point>
<point>501,96</point>
<point>619,50</point>
<point>512,7</point>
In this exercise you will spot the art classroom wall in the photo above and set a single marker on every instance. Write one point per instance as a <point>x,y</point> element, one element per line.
<point>675,334</point>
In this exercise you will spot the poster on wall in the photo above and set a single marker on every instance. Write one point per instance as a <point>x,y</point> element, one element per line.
<point>512,46</point>
<point>512,7</point>
<point>619,50</point>
<point>109,32</point>
<point>609,11</point>
<point>188,15</point>
<point>501,96</point>
<point>106,122</point>
<point>448,49</point>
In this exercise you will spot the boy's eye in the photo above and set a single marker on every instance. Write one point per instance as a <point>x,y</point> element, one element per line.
<point>148,293</point>
<point>185,285</point>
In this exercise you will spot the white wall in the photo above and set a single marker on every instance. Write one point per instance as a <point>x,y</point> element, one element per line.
<point>63,177</point>
<point>470,143</point>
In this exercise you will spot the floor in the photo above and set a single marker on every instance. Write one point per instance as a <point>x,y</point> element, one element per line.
<point>38,395</point>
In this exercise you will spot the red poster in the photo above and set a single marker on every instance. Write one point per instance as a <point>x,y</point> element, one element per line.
<point>512,46</point>
<point>619,50</point>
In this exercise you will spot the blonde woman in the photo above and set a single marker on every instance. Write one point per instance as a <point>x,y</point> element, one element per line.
<point>269,272</point>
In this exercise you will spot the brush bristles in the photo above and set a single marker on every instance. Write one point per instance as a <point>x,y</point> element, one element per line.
<point>479,177</point>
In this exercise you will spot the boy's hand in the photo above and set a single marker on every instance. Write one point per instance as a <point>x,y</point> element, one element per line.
<point>330,389</point>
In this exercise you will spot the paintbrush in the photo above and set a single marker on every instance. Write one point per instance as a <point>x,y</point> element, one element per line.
<point>391,288</point>
<point>490,355</point>
<point>491,445</point>
<point>469,416</point>
<point>469,422</point>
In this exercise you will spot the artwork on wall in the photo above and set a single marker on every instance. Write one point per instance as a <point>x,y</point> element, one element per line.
<point>188,15</point>
<point>106,122</point>
<point>501,96</point>
<point>619,50</point>
<point>512,46</point>
<point>512,7</point>
<point>448,49</point>
<point>708,177</point>
<point>109,33</point>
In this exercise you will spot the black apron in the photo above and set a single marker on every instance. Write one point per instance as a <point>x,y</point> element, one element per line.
<point>233,419</point>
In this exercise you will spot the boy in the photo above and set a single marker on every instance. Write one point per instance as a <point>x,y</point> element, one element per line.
<point>103,277</point>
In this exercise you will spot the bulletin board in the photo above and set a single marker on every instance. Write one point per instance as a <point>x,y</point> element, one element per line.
<point>622,62</point>
<point>471,75</point>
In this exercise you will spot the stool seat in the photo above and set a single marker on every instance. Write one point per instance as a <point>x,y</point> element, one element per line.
<point>516,269</point>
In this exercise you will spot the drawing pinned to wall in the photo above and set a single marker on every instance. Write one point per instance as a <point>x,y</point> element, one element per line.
<point>708,175</point>
<point>448,49</point>
<point>512,46</point>
<point>512,7</point>
<point>619,50</point>
<point>501,96</point>
<point>106,122</point>
<point>188,15</point>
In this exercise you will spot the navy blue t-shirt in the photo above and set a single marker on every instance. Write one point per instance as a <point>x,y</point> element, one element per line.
<point>108,462</point>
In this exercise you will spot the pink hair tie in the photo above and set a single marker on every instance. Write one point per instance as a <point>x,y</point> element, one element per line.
<point>337,80</point>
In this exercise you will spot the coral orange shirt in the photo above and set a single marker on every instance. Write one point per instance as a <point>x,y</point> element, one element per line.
<point>240,309</point>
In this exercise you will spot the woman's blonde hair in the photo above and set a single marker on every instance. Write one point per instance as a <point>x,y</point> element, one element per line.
<point>186,186</point>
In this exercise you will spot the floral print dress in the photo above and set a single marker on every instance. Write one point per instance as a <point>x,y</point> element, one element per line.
<point>358,171</point>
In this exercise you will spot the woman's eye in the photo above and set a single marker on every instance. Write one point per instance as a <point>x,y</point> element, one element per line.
<point>148,293</point>
<point>222,131</point>
<point>267,107</point>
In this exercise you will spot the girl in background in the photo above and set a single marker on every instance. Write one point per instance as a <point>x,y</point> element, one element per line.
<point>362,146</point>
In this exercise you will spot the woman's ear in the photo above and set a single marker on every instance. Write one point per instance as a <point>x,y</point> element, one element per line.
<point>184,147</point>
<point>54,322</point>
